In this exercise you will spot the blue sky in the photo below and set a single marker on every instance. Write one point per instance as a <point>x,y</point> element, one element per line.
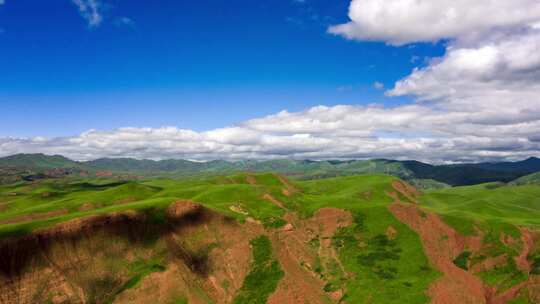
<point>191,64</point>
<point>457,80</point>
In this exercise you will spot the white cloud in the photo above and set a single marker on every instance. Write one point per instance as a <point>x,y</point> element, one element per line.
<point>418,131</point>
<point>90,10</point>
<point>480,101</point>
<point>378,85</point>
<point>405,21</point>
<point>125,21</point>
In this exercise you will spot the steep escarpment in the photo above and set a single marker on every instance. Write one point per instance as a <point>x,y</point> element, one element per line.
<point>101,258</point>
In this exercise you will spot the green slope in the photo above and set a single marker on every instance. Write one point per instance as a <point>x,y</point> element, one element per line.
<point>528,180</point>
<point>492,202</point>
<point>37,161</point>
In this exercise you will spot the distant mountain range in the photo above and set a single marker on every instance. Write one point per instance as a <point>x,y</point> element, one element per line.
<point>29,166</point>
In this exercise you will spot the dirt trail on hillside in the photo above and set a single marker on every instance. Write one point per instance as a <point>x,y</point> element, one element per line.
<point>273,200</point>
<point>289,187</point>
<point>250,179</point>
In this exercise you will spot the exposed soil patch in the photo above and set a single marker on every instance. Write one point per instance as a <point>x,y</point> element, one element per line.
<point>528,244</point>
<point>34,216</point>
<point>250,179</point>
<point>289,187</point>
<point>86,207</point>
<point>391,233</point>
<point>208,257</point>
<point>533,289</point>
<point>238,209</point>
<point>273,200</point>
<point>489,263</point>
<point>443,244</point>
<point>407,190</point>
<point>104,174</point>
<point>302,283</point>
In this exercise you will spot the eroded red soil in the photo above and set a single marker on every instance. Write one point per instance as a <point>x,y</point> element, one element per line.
<point>301,284</point>
<point>442,244</point>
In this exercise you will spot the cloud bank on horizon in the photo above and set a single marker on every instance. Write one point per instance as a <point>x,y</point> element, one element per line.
<point>480,101</point>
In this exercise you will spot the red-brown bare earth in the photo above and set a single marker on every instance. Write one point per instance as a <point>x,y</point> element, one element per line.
<point>301,283</point>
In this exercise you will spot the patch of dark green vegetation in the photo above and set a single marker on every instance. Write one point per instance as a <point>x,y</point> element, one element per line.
<point>534,259</point>
<point>379,251</point>
<point>264,276</point>
<point>462,260</point>
<point>385,269</point>
<point>274,222</point>
<point>138,270</point>
<point>179,301</point>
<point>504,276</point>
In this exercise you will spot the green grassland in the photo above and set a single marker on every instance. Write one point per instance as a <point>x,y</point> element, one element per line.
<point>218,193</point>
<point>494,203</point>
<point>376,267</point>
<point>403,276</point>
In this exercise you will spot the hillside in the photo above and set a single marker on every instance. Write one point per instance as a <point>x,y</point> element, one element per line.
<point>528,179</point>
<point>261,238</point>
<point>41,166</point>
<point>37,161</point>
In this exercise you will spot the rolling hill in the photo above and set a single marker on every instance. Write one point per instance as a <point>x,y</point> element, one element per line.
<point>416,172</point>
<point>262,238</point>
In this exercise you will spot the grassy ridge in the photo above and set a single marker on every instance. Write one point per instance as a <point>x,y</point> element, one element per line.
<point>218,193</point>
<point>491,203</point>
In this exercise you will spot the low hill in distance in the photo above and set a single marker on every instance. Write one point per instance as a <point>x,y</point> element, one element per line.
<point>35,166</point>
<point>528,179</point>
<point>37,161</point>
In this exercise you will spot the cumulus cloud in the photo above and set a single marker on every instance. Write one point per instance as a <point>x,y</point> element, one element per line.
<point>404,21</point>
<point>405,132</point>
<point>480,101</point>
<point>90,10</point>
